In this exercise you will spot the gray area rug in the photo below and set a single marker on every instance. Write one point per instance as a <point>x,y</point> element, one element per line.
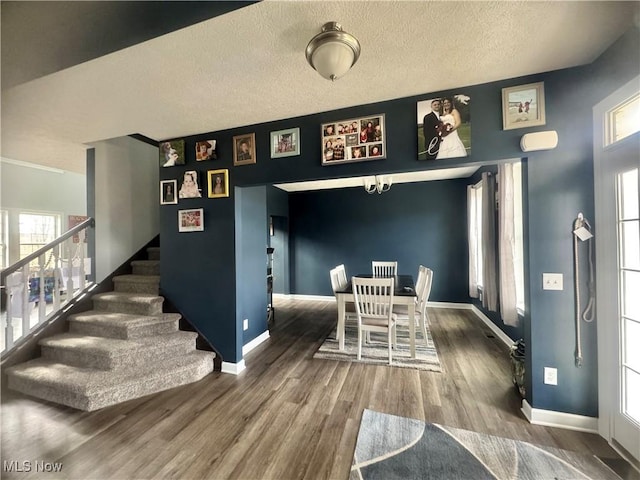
<point>391,447</point>
<point>376,352</point>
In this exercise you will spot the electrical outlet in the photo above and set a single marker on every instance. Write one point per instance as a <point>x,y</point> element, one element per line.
<point>552,281</point>
<point>550,376</point>
<point>245,324</point>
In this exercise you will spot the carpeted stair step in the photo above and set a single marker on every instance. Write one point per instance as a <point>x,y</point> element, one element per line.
<point>153,253</point>
<point>137,284</point>
<point>121,325</point>
<point>133,303</point>
<point>111,353</point>
<point>89,389</point>
<point>145,267</point>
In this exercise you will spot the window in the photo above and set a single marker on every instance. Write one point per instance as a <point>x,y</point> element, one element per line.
<point>518,253</point>
<point>4,251</point>
<point>474,197</point>
<point>623,121</point>
<point>475,232</point>
<point>36,230</point>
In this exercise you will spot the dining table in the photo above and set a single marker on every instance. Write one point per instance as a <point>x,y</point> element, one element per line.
<point>404,294</point>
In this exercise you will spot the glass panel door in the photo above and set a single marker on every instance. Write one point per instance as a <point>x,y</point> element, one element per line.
<point>617,235</point>
<point>629,275</point>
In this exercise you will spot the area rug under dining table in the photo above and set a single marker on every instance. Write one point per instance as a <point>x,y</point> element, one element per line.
<point>376,351</point>
<point>391,447</point>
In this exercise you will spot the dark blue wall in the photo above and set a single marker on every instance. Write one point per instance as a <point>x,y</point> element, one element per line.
<point>413,223</point>
<point>196,267</point>
<point>251,263</point>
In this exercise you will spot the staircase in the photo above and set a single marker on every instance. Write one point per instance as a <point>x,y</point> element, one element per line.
<point>124,348</point>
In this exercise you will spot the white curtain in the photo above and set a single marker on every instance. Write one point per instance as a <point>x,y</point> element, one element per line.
<point>473,244</point>
<point>506,245</point>
<point>489,269</point>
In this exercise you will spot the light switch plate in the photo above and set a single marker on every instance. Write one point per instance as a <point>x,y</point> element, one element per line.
<point>550,376</point>
<point>552,281</point>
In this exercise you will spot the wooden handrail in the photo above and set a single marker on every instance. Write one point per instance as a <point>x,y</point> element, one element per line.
<point>88,223</point>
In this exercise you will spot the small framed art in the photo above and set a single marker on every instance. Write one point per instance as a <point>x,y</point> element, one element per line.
<point>244,149</point>
<point>206,150</point>
<point>285,143</point>
<point>191,220</point>
<point>190,187</point>
<point>168,192</point>
<point>218,181</point>
<point>171,153</point>
<point>523,106</point>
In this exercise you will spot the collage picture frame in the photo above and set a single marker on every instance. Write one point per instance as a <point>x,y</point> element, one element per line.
<point>353,140</point>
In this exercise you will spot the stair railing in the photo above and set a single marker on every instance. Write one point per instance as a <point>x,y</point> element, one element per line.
<point>51,278</point>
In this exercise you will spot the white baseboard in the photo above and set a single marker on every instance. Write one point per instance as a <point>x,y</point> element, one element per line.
<point>263,337</point>
<point>457,306</point>
<point>320,298</point>
<point>550,418</point>
<point>494,328</point>
<point>233,368</point>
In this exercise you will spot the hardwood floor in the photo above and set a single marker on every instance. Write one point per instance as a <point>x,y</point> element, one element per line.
<point>287,416</point>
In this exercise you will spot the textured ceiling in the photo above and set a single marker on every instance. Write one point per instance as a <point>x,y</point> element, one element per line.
<point>248,66</point>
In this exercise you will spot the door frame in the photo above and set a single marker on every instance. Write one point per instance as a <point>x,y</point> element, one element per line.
<point>606,255</point>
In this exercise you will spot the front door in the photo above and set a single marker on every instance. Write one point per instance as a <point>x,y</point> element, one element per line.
<point>617,236</point>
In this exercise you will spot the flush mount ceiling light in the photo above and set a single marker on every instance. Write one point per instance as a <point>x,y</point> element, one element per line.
<point>333,51</point>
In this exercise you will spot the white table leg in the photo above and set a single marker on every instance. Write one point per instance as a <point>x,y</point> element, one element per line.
<point>412,328</point>
<point>340,328</point>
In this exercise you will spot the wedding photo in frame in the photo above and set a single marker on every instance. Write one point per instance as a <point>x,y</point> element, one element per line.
<point>168,195</point>
<point>444,127</point>
<point>218,181</point>
<point>354,140</point>
<point>244,149</point>
<point>172,153</point>
<point>285,143</point>
<point>523,106</point>
<point>191,220</point>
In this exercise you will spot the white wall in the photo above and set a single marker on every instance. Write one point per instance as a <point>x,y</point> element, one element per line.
<point>31,188</point>
<point>126,200</point>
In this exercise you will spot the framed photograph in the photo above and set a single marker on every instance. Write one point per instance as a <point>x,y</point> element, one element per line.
<point>168,190</point>
<point>218,181</point>
<point>206,150</point>
<point>190,187</point>
<point>171,153</point>
<point>444,127</point>
<point>285,143</point>
<point>244,149</point>
<point>191,220</point>
<point>523,106</point>
<point>354,140</point>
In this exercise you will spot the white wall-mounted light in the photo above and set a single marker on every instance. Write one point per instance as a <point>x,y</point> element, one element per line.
<point>333,52</point>
<point>377,184</point>
<point>539,141</point>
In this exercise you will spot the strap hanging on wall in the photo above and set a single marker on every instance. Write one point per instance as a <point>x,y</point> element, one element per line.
<point>582,232</point>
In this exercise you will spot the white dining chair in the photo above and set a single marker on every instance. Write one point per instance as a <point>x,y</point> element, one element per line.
<point>374,307</point>
<point>423,290</point>
<point>384,269</point>
<point>339,282</point>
